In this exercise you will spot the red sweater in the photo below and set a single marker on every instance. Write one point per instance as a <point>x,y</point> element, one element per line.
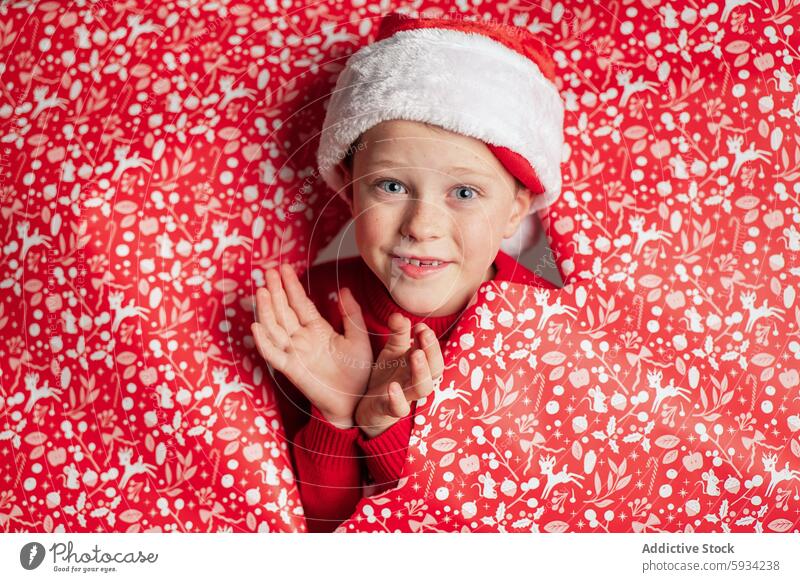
<point>332,464</point>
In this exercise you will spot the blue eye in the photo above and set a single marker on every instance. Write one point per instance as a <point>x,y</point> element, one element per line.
<point>393,190</point>
<point>462,189</point>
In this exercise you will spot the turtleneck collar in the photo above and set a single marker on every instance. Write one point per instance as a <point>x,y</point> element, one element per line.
<point>382,305</point>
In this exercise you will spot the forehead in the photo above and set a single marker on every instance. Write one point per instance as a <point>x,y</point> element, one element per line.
<point>410,143</point>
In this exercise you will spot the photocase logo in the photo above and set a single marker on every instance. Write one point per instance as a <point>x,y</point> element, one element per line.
<point>31,555</point>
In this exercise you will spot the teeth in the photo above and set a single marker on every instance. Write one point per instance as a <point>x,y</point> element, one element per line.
<point>418,263</point>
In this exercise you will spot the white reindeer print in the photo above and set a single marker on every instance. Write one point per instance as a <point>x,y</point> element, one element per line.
<point>662,392</point>
<point>219,231</point>
<point>541,297</point>
<point>751,154</point>
<point>546,465</point>
<point>531,446</point>
<point>645,236</point>
<point>226,86</point>
<point>30,241</point>
<point>132,469</point>
<point>630,88</point>
<point>449,393</point>
<point>122,313</point>
<point>138,28</point>
<point>43,103</point>
<point>126,162</point>
<point>755,313</point>
<point>37,393</point>
<point>785,474</point>
<point>226,388</point>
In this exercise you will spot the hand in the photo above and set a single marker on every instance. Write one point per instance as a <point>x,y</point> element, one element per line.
<point>401,375</point>
<point>330,369</point>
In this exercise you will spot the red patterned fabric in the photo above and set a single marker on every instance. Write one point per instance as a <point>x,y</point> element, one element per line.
<point>328,460</point>
<point>156,161</point>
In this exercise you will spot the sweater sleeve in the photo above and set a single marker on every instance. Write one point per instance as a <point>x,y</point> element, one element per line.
<point>328,464</point>
<point>386,453</point>
<point>329,472</point>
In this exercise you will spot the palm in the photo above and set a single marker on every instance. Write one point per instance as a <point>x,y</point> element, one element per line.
<point>331,369</point>
<point>319,358</point>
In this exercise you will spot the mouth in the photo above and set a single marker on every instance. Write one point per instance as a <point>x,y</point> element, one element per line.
<point>418,267</point>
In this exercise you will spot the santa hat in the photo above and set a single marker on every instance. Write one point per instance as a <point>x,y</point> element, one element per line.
<point>486,80</point>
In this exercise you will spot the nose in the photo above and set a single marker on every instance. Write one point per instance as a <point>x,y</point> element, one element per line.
<point>423,220</point>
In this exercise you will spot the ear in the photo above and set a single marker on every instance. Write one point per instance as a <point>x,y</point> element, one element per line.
<point>519,211</point>
<point>347,188</point>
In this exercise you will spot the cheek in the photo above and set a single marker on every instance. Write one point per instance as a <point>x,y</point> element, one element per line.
<point>480,239</point>
<point>479,232</point>
<point>373,226</point>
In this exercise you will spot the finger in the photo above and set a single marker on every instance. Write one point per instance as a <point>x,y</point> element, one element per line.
<point>298,299</point>
<point>272,354</point>
<point>352,318</point>
<point>421,382</point>
<point>263,305</point>
<point>266,317</point>
<point>400,340</point>
<point>433,351</point>
<point>283,313</point>
<point>396,404</point>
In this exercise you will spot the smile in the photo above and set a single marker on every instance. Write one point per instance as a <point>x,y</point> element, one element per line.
<point>418,268</point>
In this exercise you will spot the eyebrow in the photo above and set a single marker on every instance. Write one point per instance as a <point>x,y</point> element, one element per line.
<point>454,169</point>
<point>467,170</point>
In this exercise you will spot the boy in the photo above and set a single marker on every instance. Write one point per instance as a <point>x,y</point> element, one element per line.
<point>459,128</point>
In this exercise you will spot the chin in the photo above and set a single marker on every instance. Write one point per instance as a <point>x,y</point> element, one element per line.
<point>412,304</point>
<point>421,306</point>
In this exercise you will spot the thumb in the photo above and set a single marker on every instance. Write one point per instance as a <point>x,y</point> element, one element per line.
<point>396,404</point>
<point>400,340</point>
<point>352,318</point>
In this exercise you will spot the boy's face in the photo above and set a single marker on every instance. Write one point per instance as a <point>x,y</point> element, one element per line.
<point>418,191</point>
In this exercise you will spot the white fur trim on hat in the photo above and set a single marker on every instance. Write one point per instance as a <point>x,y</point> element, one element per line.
<point>466,83</point>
